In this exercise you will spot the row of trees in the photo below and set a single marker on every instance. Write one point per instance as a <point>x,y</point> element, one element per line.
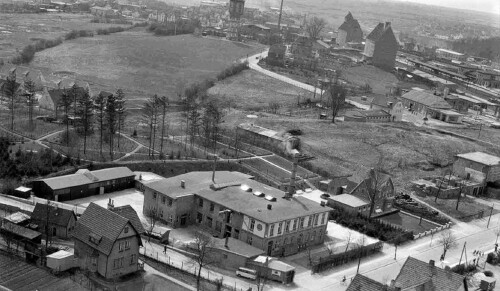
<point>107,109</point>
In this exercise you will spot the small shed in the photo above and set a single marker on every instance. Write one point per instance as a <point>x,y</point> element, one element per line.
<point>61,261</point>
<point>23,192</point>
<point>19,218</point>
<point>488,283</point>
<point>273,269</point>
<point>233,253</point>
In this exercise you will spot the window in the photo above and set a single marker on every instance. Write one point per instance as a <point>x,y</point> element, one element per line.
<point>310,220</point>
<point>287,226</point>
<point>301,224</point>
<point>200,202</point>
<point>271,230</point>
<point>121,246</point>
<point>323,218</point>
<point>116,263</point>
<point>199,217</point>
<point>127,245</point>
<point>249,240</point>
<point>294,224</point>
<point>236,233</point>
<point>154,195</point>
<point>279,227</point>
<point>275,273</point>
<point>252,224</point>
<point>212,207</point>
<point>126,229</point>
<point>316,216</point>
<point>170,218</point>
<point>209,221</point>
<point>163,198</point>
<point>132,259</point>
<point>169,202</point>
<point>161,213</point>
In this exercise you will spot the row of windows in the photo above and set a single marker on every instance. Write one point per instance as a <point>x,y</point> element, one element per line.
<point>123,245</point>
<point>119,263</point>
<point>297,223</point>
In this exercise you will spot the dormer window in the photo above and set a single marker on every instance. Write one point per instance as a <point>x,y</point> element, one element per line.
<point>94,238</point>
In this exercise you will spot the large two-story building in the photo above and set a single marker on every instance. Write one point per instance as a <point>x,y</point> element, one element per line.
<point>237,206</point>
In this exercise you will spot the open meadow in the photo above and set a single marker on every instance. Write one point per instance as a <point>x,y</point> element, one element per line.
<point>19,30</point>
<point>251,90</point>
<point>401,149</point>
<point>140,63</point>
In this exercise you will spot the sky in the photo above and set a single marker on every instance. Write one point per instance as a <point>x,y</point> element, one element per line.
<point>491,6</point>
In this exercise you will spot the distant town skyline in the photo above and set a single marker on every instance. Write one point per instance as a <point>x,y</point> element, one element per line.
<point>490,6</point>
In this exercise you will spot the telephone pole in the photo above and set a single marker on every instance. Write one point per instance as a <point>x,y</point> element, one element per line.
<point>279,18</point>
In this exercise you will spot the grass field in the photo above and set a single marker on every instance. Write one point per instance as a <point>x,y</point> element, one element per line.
<point>140,63</point>
<point>408,222</point>
<point>353,148</point>
<point>466,207</point>
<point>253,91</point>
<point>380,80</point>
<point>19,30</point>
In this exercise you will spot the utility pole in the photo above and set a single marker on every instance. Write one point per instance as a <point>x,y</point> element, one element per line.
<point>489,218</point>
<point>463,250</point>
<point>279,18</point>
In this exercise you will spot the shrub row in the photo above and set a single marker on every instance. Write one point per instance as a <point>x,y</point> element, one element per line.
<point>232,70</point>
<point>171,28</point>
<point>78,33</point>
<point>28,52</point>
<point>106,31</point>
<point>370,227</point>
<point>463,269</point>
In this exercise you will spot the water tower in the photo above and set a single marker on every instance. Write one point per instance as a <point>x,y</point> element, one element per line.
<point>236,9</point>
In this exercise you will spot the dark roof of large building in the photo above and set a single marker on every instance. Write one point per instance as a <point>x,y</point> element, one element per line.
<point>55,215</point>
<point>236,198</point>
<point>379,30</point>
<point>349,23</point>
<point>102,225</point>
<point>427,99</point>
<point>194,182</point>
<point>363,283</point>
<point>56,94</point>
<point>417,273</point>
<point>83,177</point>
<point>129,213</point>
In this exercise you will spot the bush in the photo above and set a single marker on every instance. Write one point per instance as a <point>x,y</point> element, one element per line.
<point>78,33</point>
<point>488,273</point>
<point>463,269</point>
<point>370,227</point>
<point>492,258</point>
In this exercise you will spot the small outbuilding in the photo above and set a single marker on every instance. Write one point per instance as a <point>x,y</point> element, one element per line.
<point>273,269</point>
<point>61,261</point>
<point>60,221</point>
<point>233,253</point>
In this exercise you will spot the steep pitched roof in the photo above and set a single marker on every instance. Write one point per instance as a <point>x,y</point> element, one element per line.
<point>426,99</point>
<point>129,213</point>
<point>416,273</point>
<point>377,32</point>
<point>56,215</point>
<point>363,283</point>
<point>349,23</point>
<point>99,228</point>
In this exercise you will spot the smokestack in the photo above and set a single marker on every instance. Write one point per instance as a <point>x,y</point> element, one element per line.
<point>387,25</point>
<point>226,241</point>
<point>432,263</point>
<point>183,184</point>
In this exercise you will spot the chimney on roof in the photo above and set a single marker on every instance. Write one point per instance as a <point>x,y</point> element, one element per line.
<point>226,241</point>
<point>387,25</point>
<point>111,205</point>
<point>432,263</point>
<point>269,206</point>
<point>183,184</point>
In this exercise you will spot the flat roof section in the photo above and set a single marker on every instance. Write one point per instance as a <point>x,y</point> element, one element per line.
<point>482,158</point>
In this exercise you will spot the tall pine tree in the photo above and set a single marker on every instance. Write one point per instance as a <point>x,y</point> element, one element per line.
<point>120,112</point>
<point>85,115</point>
<point>111,121</point>
<point>100,106</point>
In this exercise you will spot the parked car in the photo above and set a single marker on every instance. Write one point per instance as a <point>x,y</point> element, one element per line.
<point>246,273</point>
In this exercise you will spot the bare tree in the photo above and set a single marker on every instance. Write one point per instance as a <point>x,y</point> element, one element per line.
<point>204,253</point>
<point>120,112</point>
<point>336,97</point>
<point>6,230</point>
<point>66,103</point>
<point>314,27</point>
<point>348,239</point>
<point>85,113</point>
<point>359,247</point>
<point>274,106</point>
<point>153,216</point>
<point>460,189</point>
<point>30,91</point>
<point>448,241</point>
<point>150,115</point>
<point>375,187</point>
<point>100,106</point>
<point>10,88</point>
<point>164,104</point>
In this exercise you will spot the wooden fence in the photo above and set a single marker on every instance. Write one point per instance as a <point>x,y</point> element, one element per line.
<point>339,259</point>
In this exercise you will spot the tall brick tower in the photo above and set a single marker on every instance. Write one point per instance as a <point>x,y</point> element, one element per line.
<point>236,8</point>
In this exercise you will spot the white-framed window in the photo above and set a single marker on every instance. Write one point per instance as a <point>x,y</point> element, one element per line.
<point>279,227</point>
<point>163,199</point>
<point>287,226</point>
<point>271,230</point>
<point>252,224</point>
<point>154,195</point>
